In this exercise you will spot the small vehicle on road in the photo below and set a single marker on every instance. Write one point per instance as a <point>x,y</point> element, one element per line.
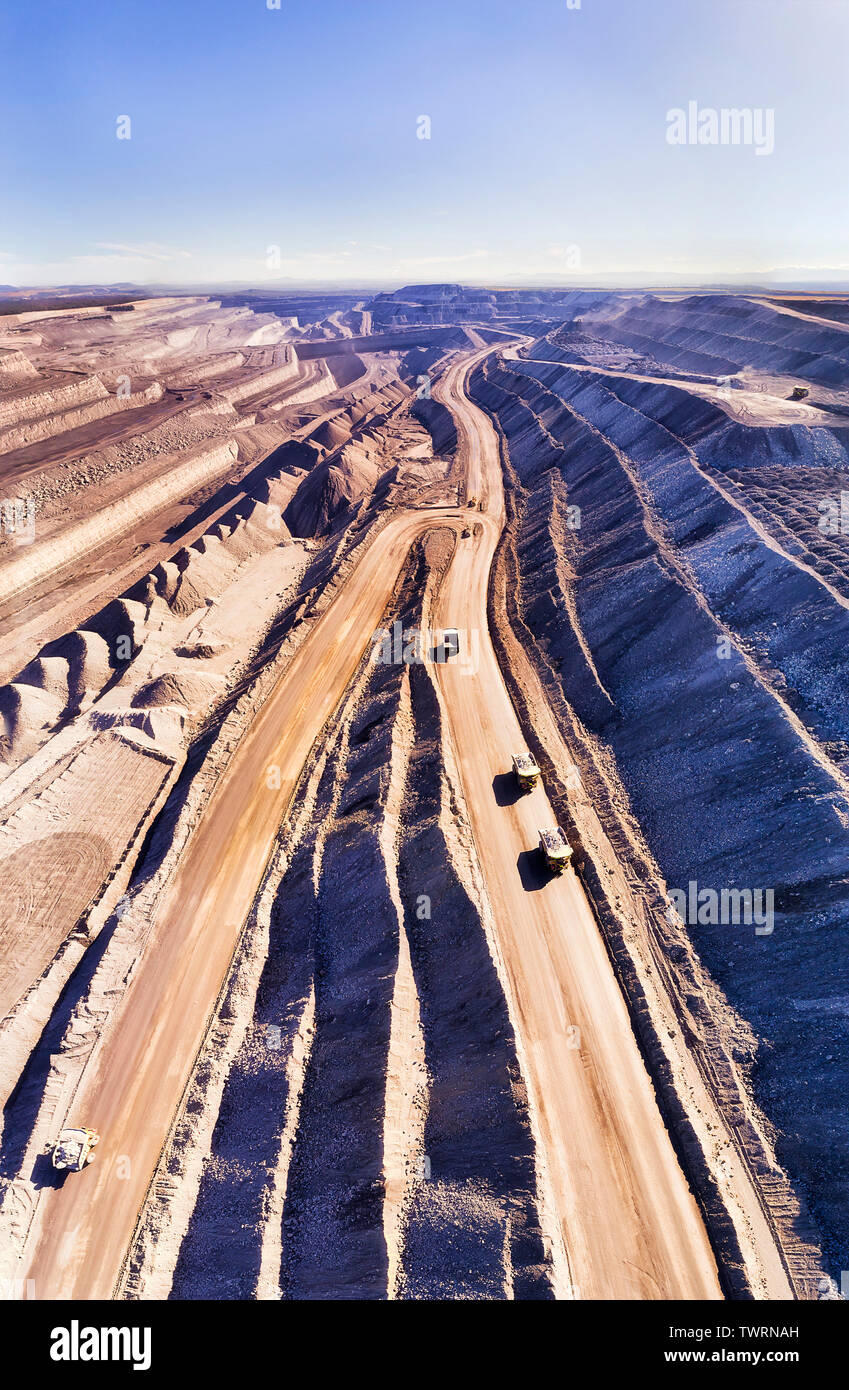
<point>555,849</point>
<point>450,642</point>
<point>526,770</point>
<point>74,1149</point>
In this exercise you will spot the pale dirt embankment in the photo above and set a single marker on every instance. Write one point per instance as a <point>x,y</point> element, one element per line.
<point>196,657</point>
<point>54,553</point>
<point>54,412</point>
<point>185,660</point>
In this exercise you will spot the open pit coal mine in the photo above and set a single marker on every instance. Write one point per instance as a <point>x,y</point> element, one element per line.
<point>275,920</point>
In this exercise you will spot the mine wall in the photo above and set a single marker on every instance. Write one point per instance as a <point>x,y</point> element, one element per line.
<point>201,465</point>
<point>721,782</point>
<point>439,423</point>
<point>779,612</point>
<point>721,335</point>
<point>31,427</point>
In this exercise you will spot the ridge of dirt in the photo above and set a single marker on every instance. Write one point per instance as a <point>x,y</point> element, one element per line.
<point>629,898</point>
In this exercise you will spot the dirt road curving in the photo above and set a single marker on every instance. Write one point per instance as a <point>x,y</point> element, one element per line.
<point>629,1225</point>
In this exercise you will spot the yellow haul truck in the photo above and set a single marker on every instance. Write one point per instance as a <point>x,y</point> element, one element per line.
<point>555,848</point>
<point>74,1149</point>
<point>526,770</point>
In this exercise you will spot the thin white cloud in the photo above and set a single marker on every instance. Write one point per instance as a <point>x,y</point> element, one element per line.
<point>147,251</point>
<point>412,262</point>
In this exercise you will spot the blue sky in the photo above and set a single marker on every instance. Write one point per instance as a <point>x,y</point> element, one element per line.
<point>296,129</point>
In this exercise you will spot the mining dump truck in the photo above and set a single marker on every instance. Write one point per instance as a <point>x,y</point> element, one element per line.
<point>526,770</point>
<point>74,1149</point>
<point>555,848</point>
